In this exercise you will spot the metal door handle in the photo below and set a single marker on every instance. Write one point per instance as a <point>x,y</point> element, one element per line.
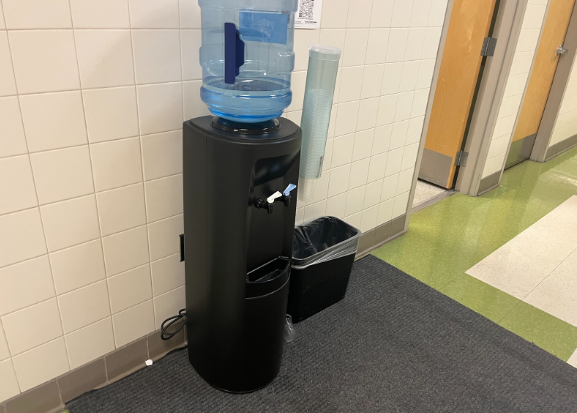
<point>561,50</point>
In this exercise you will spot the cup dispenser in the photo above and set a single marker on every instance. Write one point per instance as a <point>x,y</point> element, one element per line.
<point>239,213</point>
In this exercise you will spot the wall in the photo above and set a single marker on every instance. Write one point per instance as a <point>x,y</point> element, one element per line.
<point>516,84</point>
<point>389,54</point>
<point>92,99</point>
<point>566,123</point>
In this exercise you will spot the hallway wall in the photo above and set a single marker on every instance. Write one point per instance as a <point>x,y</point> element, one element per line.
<point>92,99</point>
<point>389,55</point>
<point>516,84</point>
<point>566,123</point>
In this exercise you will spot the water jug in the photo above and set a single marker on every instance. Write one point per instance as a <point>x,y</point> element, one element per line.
<point>247,57</point>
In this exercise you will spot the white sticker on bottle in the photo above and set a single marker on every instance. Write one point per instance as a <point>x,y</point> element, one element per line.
<point>309,14</point>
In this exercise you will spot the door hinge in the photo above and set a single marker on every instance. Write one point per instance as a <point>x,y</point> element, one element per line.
<point>461,158</point>
<point>489,44</point>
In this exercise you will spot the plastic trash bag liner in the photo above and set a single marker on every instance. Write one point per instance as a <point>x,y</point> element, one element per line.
<point>323,239</point>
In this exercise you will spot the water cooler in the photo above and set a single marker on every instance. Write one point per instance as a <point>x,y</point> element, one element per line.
<point>240,171</point>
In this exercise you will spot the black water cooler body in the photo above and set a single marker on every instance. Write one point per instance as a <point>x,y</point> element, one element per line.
<point>238,248</point>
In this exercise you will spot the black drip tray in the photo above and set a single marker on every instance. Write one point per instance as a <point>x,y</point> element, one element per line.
<point>268,277</point>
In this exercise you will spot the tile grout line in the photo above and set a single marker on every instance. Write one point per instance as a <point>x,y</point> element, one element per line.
<point>92,175</point>
<point>39,215</point>
<point>547,276</point>
<point>138,114</point>
<point>95,193</point>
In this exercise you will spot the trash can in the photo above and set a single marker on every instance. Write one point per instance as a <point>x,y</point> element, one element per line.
<point>323,255</point>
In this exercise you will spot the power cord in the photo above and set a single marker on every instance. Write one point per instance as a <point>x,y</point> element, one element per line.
<point>165,335</point>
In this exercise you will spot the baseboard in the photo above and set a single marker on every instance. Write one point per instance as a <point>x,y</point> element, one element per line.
<point>489,182</point>
<point>520,150</point>
<point>380,235</point>
<point>560,147</point>
<point>52,396</point>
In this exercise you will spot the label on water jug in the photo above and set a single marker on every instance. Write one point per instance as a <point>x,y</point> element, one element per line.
<point>263,27</point>
<point>309,14</point>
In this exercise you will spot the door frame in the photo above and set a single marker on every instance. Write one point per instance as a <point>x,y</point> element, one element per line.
<point>541,151</point>
<point>491,90</point>
<point>434,81</point>
<point>486,107</point>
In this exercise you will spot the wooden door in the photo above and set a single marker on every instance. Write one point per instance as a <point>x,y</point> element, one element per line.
<point>542,74</point>
<point>458,75</point>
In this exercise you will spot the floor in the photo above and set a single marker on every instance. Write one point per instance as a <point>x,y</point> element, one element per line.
<point>510,255</point>
<point>425,192</point>
<point>487,254</point>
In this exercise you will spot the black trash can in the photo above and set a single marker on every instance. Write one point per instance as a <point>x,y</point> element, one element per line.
<point>323,255</point>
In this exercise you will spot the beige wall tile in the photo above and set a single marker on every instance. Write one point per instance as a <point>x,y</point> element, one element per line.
<point>70,222</point>
<point>193,106</point>
<point>121,209</point>
<point>111,113</point>
<point>103,14</point>
<point>125,250</point>
<point>104,58</point>
<point>62,174</point>
<point>2,25</point>
<point>7,81</point>
<point>167,274</point>
<point>156,56</point>
<point>169,304</point>
<point>116,163</point>
<point>90,342</point>
<point>162,154</point>
<point>130,288</point>
<point>41,364</point>
<point>44,60</point>
<point>11,129</point>
<point>163,197</point>
<point>53,120</point>
<point>8,383</point>
<point>190,41</point>
<point>164,237</point>
<point>4,352</point>
<point>37,14</point>
<point>21,237</point>
<point>16,184</point>
<point>77,266</point>
<point>25,284</point>
<point>84,306</point>
<point>133,323</point>
<point>154,15</point>
<point>160,107</point>
<point>189,14</point>
<point>32,326</point>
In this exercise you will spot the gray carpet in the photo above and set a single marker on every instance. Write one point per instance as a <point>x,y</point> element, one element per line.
<point>392,345</point>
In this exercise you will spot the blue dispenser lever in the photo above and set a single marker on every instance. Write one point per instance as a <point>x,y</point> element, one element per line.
<point>233,53</point>
<point>288,189</point>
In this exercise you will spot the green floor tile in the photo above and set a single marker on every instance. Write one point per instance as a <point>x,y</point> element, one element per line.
<point>544,330</point>
<point>480,297</point>
<point>449,237</point>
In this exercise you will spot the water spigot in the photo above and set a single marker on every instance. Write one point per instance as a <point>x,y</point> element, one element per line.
<point>286,195</point>
<point>269,203</point>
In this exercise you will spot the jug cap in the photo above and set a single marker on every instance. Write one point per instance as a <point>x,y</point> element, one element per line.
<point>323,52</point>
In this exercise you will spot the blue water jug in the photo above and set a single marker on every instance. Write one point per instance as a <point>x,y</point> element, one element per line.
<point>247,57</point>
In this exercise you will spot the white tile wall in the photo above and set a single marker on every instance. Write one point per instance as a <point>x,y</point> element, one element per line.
<point>382,91</point>
<point>566,123</point>
<point>515,88</point>
<point>91,113</point>
<point>92,100</point>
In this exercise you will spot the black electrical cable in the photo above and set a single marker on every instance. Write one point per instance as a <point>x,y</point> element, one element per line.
<point>165,335</point>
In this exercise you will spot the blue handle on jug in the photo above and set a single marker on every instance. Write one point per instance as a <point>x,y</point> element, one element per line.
<point>233,53</point>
